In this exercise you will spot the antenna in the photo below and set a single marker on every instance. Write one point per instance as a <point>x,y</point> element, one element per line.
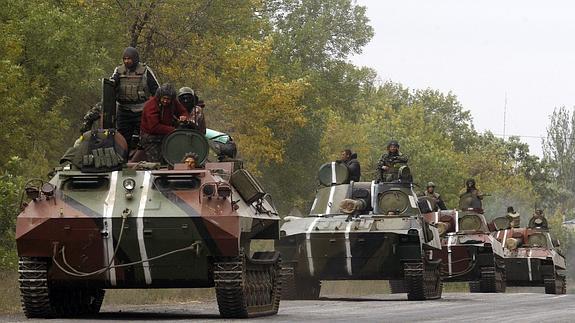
<point>504,116</point>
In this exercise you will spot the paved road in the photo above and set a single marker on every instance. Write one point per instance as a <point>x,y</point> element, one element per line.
<point>453,307</point>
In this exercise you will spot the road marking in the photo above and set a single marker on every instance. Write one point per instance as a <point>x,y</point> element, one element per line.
<point>108,219</point>
<point>308,246</point>
<point>348,248</point>
<point>140,225</point>
<point>560,296</point>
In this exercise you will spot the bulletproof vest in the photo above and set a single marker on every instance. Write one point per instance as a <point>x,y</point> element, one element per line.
<point>101,150</point>
<point>133,87</point>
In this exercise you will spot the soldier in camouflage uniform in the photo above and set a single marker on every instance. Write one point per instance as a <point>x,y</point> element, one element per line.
<point>430,193</point>
<point>135,83</point>
<point>389,164</point>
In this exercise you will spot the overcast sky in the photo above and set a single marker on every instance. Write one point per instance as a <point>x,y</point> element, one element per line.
<point>480,50</point>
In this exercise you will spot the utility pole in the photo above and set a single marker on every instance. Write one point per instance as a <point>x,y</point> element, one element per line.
<point>504,116</point>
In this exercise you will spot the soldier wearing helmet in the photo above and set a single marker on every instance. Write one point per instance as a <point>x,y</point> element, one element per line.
<point>470,196</point>
<point>189,99</point>
<point>436,197</point>
<point>135,83</point>
<point>388,165</point>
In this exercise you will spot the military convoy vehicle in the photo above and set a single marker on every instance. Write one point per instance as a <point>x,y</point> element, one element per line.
<point>101,223</point>
<point>469,252</point>
<point>532,257</point>
<point>361,231</point>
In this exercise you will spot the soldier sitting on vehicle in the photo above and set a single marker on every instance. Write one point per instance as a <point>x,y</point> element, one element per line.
<point>431,194</point>
<point>513,217</point>
<point>389,164</point>
<point>349,159</point>
<point>189,99</point>
<point>161,113</point>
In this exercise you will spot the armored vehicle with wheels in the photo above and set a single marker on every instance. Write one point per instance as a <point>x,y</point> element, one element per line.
<point>101,223</point>
<point>361,231</point>
<point>532,257</point>
<point>469,253</point>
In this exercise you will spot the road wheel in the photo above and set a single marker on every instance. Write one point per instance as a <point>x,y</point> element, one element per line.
<point>474,287</point>
<point>423,280</point>
<point>248,287</point>
<point>298,288</point>
<point>488,280</point>
<point>397,286</point>
<point>42,299</point>
<point>556,285</point>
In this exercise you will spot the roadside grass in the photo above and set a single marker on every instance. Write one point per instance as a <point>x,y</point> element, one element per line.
<point>157,296</point>
<point>9,292</point>
<point>371,287</point>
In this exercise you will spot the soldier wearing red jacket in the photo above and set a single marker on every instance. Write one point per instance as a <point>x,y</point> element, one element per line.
<point>159,118</point>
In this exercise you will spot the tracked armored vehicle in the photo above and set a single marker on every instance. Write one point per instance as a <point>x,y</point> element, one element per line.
<point>100,223</point>
<point>469,252</point>
<point>361,231</point>
<point>532,257</point>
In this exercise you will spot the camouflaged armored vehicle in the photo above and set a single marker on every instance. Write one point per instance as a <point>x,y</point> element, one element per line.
<point>361,231</point>
<point>100,223</point>
<point>469,252</point>
<point>532,257</point>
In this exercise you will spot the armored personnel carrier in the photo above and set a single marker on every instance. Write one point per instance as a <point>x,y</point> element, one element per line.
<point>361,231</point>
<point>100,223</point>
<point>532,257</point>
<point>469,252</point>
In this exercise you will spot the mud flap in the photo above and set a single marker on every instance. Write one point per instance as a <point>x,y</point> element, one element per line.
<point>108,104</point>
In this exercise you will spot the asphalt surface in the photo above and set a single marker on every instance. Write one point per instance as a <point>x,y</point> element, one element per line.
<point>453,307</point>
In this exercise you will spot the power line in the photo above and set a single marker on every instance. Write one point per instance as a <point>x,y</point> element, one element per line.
<point>520,136</point>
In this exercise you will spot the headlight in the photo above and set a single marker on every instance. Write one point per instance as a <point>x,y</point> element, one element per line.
<point>129,184</point>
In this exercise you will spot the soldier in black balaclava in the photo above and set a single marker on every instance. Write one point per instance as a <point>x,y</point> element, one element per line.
<point>189,99</point>
<point>135,83</point>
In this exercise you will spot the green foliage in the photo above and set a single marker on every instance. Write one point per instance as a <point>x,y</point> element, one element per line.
<point>275,75</point>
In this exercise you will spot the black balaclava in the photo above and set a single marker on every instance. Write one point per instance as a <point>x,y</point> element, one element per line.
<point>470,184</point>
<point>133,53</point>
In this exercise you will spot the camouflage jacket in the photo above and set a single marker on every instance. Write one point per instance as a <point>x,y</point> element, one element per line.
<point>392,162</point>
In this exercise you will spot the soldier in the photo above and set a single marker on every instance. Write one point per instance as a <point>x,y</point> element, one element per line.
<point>349,159</point>
<point>135,83</point>
<point>158,119</point>
<point>470,188</point>
<point>513,217</point>
<point>388,165</point>
<point>470,196</point>
<point>430,193</point>
<point>189,99</point>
